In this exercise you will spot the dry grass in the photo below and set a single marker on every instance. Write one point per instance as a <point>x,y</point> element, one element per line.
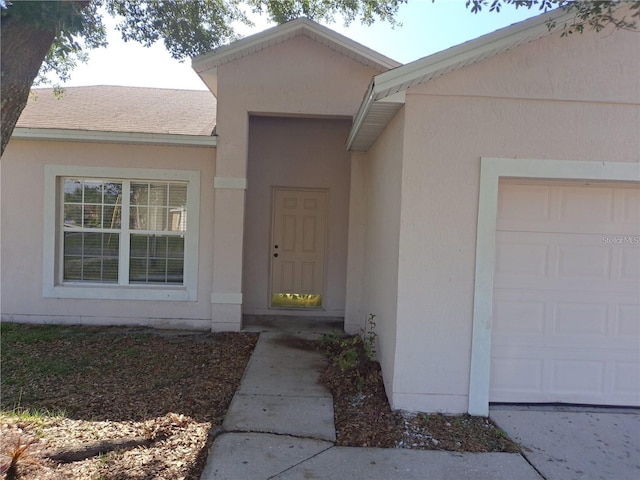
<point>67,388</point>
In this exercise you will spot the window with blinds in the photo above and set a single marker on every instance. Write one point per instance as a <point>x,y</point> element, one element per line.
<point>123,231</point>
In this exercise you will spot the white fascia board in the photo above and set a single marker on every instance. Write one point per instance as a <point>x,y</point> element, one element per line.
<point>64,135</point>
<point>237,49</point>
<point>281,33</point>
<point>360,117</point>
<point>387,86</point>
<point>468,52</point>
<point>362,53</point>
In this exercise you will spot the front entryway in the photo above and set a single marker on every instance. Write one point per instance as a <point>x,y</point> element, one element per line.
<point>304,155</point>
<point>298,248</point>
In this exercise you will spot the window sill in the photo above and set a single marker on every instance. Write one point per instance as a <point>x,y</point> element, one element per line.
<point>118,292</point>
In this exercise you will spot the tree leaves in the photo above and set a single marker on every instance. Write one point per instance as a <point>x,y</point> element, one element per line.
<point>367,11</point>
<point>79,28</point>
<point>589,14</point>
<point>187,27</point>
<point>192,27</point>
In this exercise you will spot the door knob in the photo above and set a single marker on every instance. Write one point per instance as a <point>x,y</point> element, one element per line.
<point>275,255</point>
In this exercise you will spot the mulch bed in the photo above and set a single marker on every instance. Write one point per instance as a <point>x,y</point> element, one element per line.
<point>113,403</point>
<point>363,417</point>
<point>127,403</point>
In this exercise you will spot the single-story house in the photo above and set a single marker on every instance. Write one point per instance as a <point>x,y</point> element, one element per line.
<point>483,203</point>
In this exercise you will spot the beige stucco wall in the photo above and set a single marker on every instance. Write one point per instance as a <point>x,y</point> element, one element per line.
<point>299,77</point>
<point>297,153</point>
<point>21,241</point>
<point>573,98</point>
<point>381,190</point>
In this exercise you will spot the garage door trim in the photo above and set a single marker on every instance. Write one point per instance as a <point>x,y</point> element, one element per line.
<point>491,171</point>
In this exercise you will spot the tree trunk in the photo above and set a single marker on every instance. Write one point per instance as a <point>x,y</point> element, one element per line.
<point>23,51</point>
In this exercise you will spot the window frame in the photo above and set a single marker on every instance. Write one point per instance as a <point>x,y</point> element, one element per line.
<point>53,235</point>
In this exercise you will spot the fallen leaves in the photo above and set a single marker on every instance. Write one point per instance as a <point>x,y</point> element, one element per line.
<point>363,417</point>
<point>76,386</point>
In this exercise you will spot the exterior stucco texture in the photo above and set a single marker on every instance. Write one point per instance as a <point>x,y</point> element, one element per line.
<point>556,98</point>
<point>22,233</point>
<point>411,222</point>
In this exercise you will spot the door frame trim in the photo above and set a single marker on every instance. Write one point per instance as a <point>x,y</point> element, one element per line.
<point>491,171</point>
<point>324,253</point>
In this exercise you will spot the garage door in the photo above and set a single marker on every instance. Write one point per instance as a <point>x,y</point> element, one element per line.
<point>566,314</point>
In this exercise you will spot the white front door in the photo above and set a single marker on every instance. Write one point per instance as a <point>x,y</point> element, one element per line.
<point>298,248</point>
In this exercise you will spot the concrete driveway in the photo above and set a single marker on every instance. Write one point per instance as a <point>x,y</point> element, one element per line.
<point>566,443</point>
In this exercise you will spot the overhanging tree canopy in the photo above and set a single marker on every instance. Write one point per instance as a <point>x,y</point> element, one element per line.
<point>52,36</point>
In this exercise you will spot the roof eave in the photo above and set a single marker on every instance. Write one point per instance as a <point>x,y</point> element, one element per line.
<point>97,136</point>
<point>209,78</point>
<point>372,118</point>
<point>468,53</point>
<point>392,82</point>
<point>281,33</point>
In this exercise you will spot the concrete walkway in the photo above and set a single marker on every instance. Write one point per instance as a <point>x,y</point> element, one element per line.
<point>280,426</point>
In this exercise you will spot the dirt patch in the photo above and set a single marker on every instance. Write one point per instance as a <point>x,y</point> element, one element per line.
<point>363,417</point>
<point>158,398</point>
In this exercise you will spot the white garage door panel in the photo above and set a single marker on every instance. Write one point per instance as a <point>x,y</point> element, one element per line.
<point>571,209</point>
<point>552,261</point>
<point>576,378</point>
<point>566,318</point>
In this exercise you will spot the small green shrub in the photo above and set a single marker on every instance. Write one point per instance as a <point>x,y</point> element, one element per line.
<point>348,357</point>
<point>330,341</point>
<point>347,352</point>
<point>344,352</point>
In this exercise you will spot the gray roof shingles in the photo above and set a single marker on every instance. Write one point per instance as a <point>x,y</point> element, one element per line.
<point>122,109</point>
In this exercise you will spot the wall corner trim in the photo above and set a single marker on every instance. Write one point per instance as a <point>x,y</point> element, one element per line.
<point>230,182</point>
<point>227,298</point>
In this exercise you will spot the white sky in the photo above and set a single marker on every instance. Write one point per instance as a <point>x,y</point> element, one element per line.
<point>426,28</point>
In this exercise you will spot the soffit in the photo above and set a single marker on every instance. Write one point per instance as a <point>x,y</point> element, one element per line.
<point>393,82</point>
<point>206,64</point>
<point>288,31</point>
